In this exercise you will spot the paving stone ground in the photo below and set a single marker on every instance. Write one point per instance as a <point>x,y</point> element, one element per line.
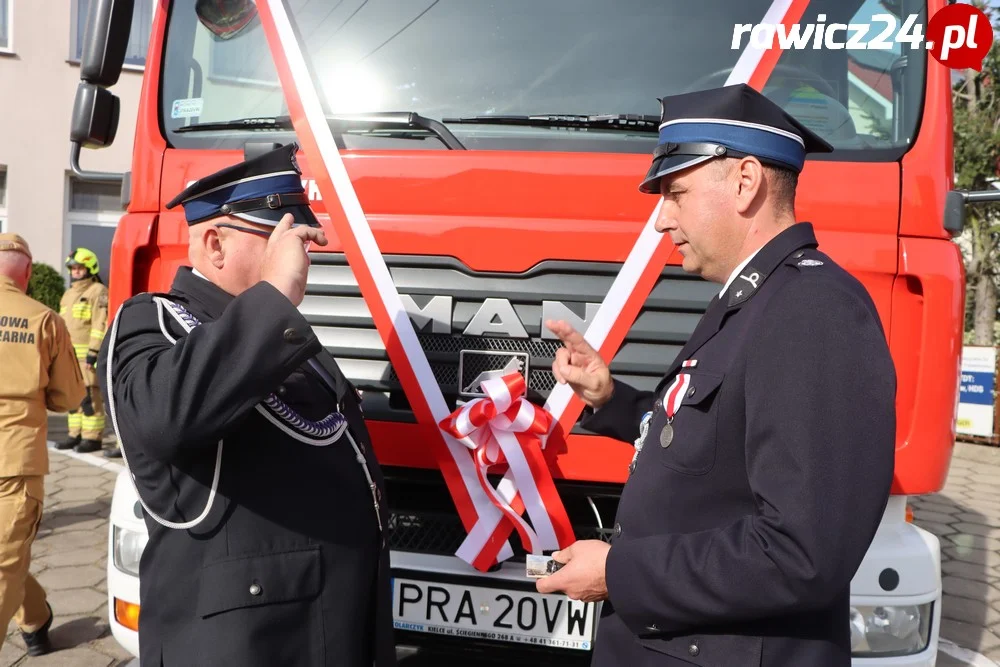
<point>965,515</point>
<point>69,559</point>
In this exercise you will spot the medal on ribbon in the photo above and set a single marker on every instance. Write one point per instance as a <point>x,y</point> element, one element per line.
<point>672,401</point>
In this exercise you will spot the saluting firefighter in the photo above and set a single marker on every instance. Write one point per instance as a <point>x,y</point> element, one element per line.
<point>765,456</point>
<point>247,446</point>
<point>84,306</point>
<point>38,372</point>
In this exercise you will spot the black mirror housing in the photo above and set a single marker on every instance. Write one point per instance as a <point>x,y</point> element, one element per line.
<point>954,212</point>
<point>95,116</point>
<point>105,41</point>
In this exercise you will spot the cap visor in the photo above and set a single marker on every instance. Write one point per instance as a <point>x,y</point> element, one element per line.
<point>302,215</point>
<point>668,165</point>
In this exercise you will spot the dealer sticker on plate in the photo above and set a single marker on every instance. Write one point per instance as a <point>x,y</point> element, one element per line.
<point>479,612</point>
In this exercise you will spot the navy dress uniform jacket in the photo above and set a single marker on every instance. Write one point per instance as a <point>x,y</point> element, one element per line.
<point>736,544</point>
<point>290,566</point>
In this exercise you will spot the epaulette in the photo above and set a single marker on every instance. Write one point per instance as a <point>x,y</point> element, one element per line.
<point>139,314</point>
<point>806,259</point>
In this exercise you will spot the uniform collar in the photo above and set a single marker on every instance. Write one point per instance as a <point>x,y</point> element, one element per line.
<point>8,284</point>
<point>739,267</point>
<point>751,276</point>
<point>206,296</point>
<point>745,285</point>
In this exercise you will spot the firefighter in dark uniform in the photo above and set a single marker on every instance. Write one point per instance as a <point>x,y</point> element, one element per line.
<point>765,456</point>
<point>262,497</point>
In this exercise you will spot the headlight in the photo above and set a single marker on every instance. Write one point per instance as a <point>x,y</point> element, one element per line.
<point>889,631</point>
<point>128,550</point>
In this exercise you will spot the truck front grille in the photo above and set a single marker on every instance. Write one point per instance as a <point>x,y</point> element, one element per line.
<point>423,517</point>
<point>449,326</point>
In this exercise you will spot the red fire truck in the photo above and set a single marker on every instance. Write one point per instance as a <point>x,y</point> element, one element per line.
<point>495,149</point>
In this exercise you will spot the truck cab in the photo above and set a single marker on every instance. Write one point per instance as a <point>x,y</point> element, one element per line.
<point>495,149</point>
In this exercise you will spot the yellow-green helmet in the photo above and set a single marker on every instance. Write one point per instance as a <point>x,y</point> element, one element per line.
<point>84,257</point>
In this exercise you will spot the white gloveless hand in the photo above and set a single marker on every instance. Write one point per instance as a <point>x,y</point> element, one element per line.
<point>580,366</point>
<point>286,261</point>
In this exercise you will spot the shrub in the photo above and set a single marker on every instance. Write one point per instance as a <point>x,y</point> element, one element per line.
<point>46,285</point>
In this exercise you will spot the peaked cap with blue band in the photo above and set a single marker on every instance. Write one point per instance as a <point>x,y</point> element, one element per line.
<point>260,191</point>
<point>732,121</point>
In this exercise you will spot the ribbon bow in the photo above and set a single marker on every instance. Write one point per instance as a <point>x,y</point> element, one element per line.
<point>504,427</point>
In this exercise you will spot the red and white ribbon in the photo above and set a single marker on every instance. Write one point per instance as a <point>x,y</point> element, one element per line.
<point>486,524</point>
<point>505,428</point>
<point>675,395</point>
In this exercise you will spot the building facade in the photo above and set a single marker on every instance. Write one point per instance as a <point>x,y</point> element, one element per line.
<point>40,45</point>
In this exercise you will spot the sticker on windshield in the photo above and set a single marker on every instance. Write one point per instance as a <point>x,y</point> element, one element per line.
<point>187,108</point>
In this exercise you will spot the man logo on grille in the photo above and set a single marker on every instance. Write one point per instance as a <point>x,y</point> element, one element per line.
<point>477,366</point>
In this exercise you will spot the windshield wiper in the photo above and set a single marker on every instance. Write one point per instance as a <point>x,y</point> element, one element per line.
<point>393,120</point>
<point>627,122</point>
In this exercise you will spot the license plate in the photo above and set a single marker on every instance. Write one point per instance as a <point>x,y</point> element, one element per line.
<point>497,614</point>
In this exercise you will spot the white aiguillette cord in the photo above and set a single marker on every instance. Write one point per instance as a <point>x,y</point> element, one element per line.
<point>325,432</point>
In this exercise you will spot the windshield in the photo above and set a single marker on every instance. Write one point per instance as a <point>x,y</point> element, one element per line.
<point>462,59</point>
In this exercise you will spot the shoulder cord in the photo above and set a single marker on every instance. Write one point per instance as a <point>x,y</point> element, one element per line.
<point>325,432</point>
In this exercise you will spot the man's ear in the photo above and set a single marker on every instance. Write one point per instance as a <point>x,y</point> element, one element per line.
<point>749,182</point>
<point>212,243</point>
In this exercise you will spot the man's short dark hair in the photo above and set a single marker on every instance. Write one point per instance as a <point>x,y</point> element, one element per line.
<point>782,183</point>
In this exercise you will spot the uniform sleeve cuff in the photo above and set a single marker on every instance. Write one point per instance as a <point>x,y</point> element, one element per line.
<point>607,419</point>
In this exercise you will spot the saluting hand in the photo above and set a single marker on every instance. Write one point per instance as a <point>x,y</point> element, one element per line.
<point>579,365</point>
<point>286,263</point>
<point>583,575</point>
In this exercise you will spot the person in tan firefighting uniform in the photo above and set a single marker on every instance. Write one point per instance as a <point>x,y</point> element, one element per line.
<point>84,306</point>
<point>40,372</point>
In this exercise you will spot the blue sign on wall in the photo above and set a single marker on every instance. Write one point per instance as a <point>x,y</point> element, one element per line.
<point>976,388</point>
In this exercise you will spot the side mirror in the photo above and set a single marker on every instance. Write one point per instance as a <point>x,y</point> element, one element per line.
<point>955,202</point>
<point>954,212</point>
<point>105,41</point>
<point>95,109</point>
<point>95,116</point>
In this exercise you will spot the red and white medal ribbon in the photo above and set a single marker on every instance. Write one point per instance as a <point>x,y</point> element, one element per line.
<point>678,389</point>
<point>504,427</point>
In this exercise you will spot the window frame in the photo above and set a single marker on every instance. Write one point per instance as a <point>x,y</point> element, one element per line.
<point>100,217</point>
<point>8,50</point>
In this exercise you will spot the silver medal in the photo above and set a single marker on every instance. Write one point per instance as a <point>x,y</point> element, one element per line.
<point>643,430</point>
<point>666,435</point>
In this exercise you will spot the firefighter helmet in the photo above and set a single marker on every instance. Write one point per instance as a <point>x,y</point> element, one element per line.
<point>86,258</point>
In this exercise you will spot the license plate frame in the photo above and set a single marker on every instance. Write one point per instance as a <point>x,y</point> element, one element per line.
<point>549,621</point>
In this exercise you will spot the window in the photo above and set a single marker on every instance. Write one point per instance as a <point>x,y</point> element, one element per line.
<point>85,196</point>
<point>138,41</point>
<point>525,58</point>
<point>93,213</point>
<point>5,23</point>
<point>94,203</point>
